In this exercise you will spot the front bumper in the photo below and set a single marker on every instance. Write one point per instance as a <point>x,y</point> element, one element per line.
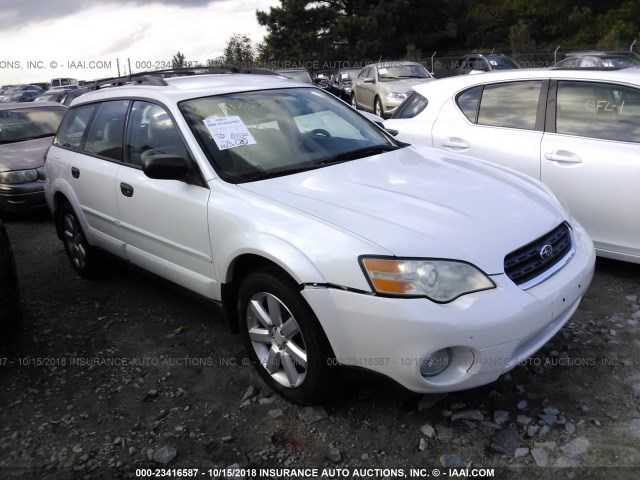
<point>487,333</point>
<point>22,196</point>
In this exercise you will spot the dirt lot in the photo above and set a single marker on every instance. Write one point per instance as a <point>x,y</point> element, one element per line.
<point>104,373</point>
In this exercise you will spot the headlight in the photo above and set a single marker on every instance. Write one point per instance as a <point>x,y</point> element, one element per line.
<point>19,176</point>
<point>439,280</point>
<point>399,95</point>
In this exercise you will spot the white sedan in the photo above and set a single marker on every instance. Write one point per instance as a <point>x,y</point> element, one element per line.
<point>576,130</point>
<point>327,243</point>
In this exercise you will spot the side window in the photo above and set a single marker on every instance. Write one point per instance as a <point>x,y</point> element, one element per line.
<point>598,110</point>
<point>151,132</point>
<point>73,126</point>
<point>105,134</point>
<point>512,105</point>
<point>365,73</point>
<point>412,106</point>
<point>468,102</point>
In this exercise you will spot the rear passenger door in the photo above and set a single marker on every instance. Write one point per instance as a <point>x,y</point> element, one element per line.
<point>91,140</point>
<point>164,221</point>
<point>591,159</point>
<point>501,123</point>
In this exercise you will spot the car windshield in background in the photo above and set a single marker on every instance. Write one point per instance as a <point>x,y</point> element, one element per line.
<point>502,63</point>
<point>28,123</point>
<point>619,62</point>
<point>297,75</point>
<point>402,71</point>
<point>256,135</point>
<point>349,75</point>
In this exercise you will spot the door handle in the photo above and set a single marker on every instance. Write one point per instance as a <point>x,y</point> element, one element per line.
<point>75,173</point>
<point>562,156</point>
<point>455,144</point>
<point>126,189</point>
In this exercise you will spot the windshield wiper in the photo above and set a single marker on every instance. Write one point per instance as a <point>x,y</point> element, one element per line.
<point>412,76</point>
<point>358,153</point>
<point>262,174</point>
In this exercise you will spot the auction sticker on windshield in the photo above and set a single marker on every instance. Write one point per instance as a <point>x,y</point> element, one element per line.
<point>229,132</point>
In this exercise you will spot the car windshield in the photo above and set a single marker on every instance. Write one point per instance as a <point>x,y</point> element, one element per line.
<point>256,135</point>
<point>297,75</point>
<point>23,124</point>
<point>396,72</point>
<point>502,63</point>
<point>619,62</point>
<point>349,75</point>
<point>49,97</point>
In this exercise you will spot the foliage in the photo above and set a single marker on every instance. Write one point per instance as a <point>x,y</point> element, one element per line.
<point>352,30</point>
<point>238,51</point>
<point>178,60</point>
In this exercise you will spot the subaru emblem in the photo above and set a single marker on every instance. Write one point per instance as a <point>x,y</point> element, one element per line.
<point>546,252</point>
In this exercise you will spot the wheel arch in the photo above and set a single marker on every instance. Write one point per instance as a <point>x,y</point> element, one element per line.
<point>278,254</point>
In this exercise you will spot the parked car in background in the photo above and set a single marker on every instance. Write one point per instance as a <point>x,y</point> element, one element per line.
<point>381,87</point>
<point>342,81</point>
<point>599,59</point>
<point>60,95</point>
<point>322,78</point>
<point>480,63</point>
<point>26,131</point>
<point>297,74</point>
<point>576,130</point>
<point>63,82</point>
<point>10,311</point>
<point>327,243</point>
<point>15,95</point>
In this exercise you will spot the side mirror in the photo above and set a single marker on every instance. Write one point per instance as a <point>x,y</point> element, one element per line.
<point>369,80</point>
<point>165,167</point>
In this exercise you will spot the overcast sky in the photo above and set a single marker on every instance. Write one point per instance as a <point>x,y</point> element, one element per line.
<point>43,39</point>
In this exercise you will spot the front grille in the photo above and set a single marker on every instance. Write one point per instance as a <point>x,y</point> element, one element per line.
<point>535,258</point>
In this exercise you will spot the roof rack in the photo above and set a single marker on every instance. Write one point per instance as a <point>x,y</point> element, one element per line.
<point>157,77</point>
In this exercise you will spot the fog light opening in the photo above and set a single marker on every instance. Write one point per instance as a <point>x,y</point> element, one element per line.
<point>435,363</point>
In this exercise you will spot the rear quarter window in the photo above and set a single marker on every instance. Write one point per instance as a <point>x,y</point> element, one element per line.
<point>412,106</point>
<point>72,128</point>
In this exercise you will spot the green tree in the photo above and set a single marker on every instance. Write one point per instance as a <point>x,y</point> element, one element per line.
<point>358,29</point>
<point>178,60</point>
<point>238,52</point>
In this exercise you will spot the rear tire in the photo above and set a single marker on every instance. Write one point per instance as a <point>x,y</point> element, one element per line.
<point>284,339</point>
<point>78,250</point>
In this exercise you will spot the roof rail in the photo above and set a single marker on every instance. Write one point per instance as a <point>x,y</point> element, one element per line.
<point>157,77</point>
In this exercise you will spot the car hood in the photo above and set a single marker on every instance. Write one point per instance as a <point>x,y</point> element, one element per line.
<point>419,202</point>
<point>23,155</point>
<point>403,85</point>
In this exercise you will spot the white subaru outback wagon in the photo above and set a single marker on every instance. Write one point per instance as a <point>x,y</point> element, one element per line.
<point>327,243</point>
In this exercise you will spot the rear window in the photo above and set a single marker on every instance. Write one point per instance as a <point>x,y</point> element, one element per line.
<point>412,106</point>
<point>22,124</point>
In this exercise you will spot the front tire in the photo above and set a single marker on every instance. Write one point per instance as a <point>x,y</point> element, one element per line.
<point>283,337</point>
<point>377,107</point>
<point>78,249</point>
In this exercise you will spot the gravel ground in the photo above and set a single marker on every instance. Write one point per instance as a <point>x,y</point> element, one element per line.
<point>104,374</point>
